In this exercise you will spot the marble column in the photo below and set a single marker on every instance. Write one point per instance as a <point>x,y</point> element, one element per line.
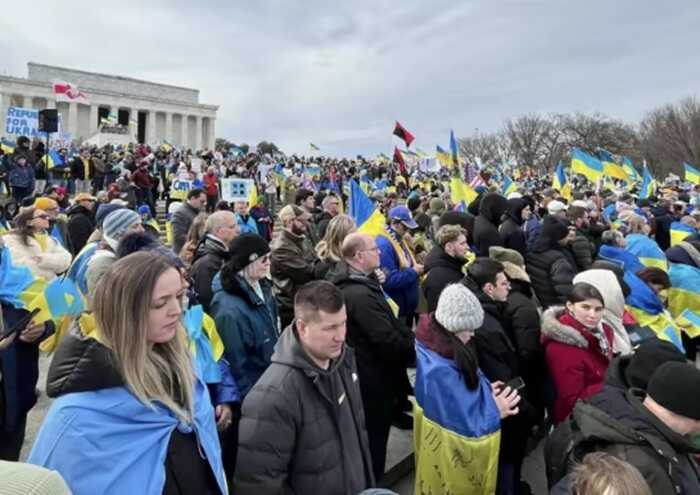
<point>4,103</point>
<point>212,133</point>
<point>151,128</point>
<point>184,129</point>
<point>72,119</point>
<point>198,132</point>
<point>93,123</point>
<point>50,102</point>
<point>169,128</point>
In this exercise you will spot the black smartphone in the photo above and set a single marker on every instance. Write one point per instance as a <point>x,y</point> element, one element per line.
<point>21,323</point>
<point>516,383</point>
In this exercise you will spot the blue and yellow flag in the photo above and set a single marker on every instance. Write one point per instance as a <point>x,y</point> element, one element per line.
<point>60,298</point>
<point>692,174</point>
<point>454,149</point>
<point>443,157</point>
<point>587,165</point>
<point>629,169</point>
<point>368,217</point>
<point>8,147</point>
<point>647,250</point>
<point>18,286</point>
<point>461,192</point>
<point>508,186</point>
<point>679,231</point>
<point>456,431</point>
<point>610,167</point>
<point>649,311</point>
<point>53,159</point>
<point>648,184</point>
<point>560,183</point>
<point>684,297</point>
<point>205,343</point>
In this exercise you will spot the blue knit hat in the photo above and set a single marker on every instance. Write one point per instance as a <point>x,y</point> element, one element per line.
<point>117,223</point>
<point>102,211</point>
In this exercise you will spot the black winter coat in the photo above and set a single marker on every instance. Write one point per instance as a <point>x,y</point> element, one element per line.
<point>383,346</point>
<point>511,230</point>
<point>81,224</point>
<point>583,251</point>
<point>210,256</point>
<point>491,209</point>
<point>442,270</point>
<point>550,266</point>
<point>291,431</point>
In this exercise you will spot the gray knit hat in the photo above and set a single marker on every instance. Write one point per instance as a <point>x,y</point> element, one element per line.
<point>458,309</point>
<point>117,223</point>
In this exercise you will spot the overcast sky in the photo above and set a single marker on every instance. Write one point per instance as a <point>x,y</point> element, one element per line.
<point>295,72</point>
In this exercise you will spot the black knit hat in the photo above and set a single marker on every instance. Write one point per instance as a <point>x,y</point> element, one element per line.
<point>245,249</point>
<point>675,386</point>
<point>647,358</point>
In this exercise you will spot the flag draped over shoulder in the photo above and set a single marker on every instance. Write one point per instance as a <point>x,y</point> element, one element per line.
<point>679,231</point>
<point>401,132</point>
<point>456,430</point>
<point>684,297</point>
<point>367,216</point>
<point>205,343</point>
<point>587,165</point>
<point>649,311</point>
<point>692,174</point>
<point>18,286</point>
<point>647,250</point>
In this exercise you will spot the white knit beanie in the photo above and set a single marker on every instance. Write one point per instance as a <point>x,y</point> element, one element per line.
<point>458,309</point>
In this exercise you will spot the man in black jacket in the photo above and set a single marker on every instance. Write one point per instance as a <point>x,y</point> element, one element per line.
<point>650,429</point>
<point>498,359</point>
<point>582,248</point>
<point>383,345</point>
<point>81,221</point>
<point>491,209</point>
<point>444,263</point>
<point>550,265</point>
<point>511,230</point>
<point>220,229</point>
<point>303,424</point>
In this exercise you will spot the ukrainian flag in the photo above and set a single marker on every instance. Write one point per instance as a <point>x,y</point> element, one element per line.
<point>205,343</point>
<point>560,183</point>
<point>629,169</point>
<point>456,431</point>
<point>8,147</point>
<point>647,250</point>
<point>461,192</point>
<point>588,166</point>
<point>610,167</point>
<point>367,216</point>
<point>508,186</point>
<point>454,149</point>
<point>52,159</point>
<point>60,298</point>
<point>684,297</point>
<point>692,174</point>
<point>443,157</point>
<point>648,310</point>
<point>679,231</point>
<point>648,184</point>
<point>253,195</point>
<point>18,286</point>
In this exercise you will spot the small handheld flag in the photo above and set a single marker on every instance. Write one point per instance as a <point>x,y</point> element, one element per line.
<point>692,174</point>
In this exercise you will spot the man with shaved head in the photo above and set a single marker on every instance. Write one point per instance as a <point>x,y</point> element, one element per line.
<point>384,347</point>
<point>220,229</point>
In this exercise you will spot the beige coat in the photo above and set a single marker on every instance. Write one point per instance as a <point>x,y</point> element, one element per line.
<point>53,261</point>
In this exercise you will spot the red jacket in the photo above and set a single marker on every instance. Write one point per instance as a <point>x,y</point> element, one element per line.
<point>576,362</point>
<point>211,184</point>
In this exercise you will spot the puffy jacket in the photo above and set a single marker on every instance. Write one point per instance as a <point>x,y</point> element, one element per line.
<point>549,265</point>
<point>401,284</point>
<point>22,176</point>
<point>576,361</point>
<point>293,263</point>
<point>247,326</point>
<point>209,257</point>
<point>511,230</point>
<point>583,251</point>
<point>81,224</point>
<point>291,431</point>
<point>442,270</point>
<point>53,259</point>
<point>491,209</point>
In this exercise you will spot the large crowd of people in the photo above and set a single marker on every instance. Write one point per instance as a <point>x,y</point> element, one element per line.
<point>268,346</point>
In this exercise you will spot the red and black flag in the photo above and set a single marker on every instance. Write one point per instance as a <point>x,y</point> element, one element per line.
<point>402,133</point>
<point>398,158</point>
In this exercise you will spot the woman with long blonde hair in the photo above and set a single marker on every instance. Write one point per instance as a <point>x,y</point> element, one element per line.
<point>328,249</point>
<point>127,397</point>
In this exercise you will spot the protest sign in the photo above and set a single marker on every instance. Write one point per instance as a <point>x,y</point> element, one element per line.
<point>24,122</point>
<point>233,189</point>
<point>180,188</point>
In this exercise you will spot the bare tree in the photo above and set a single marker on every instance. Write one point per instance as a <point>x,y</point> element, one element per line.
<point>670,135</point>
<point>481,148</point>
<point>591,132</point>
<point>534,140</point>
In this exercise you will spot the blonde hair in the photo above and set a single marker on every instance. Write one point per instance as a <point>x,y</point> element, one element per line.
<point>152,372</point>
<point>338,229</point>
<point>636,224</point>
<point>604,474</point>
<point>449,233</point>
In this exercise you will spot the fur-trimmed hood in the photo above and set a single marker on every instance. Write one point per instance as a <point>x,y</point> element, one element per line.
<point>553,329</point>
